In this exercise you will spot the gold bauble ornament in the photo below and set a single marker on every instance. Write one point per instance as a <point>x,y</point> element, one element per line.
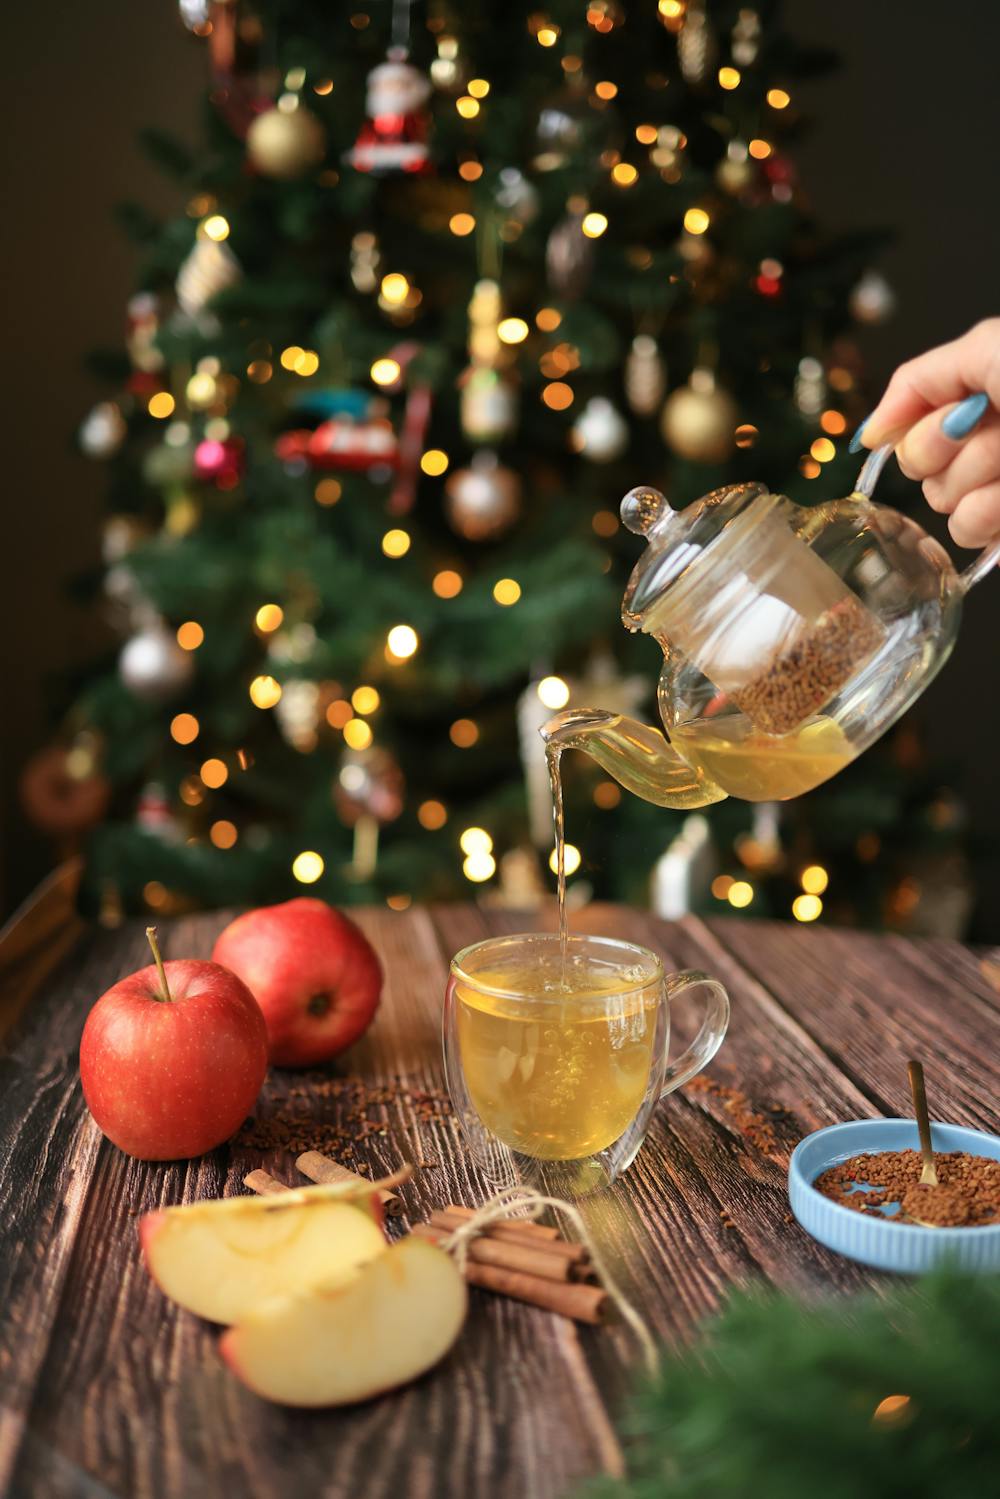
<point>285,145</point>
<point>699,420</point>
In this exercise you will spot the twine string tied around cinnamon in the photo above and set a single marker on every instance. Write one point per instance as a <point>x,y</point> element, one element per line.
<point>508,1203</point>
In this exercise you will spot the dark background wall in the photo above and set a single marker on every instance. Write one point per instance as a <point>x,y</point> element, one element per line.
<point>905,135</point>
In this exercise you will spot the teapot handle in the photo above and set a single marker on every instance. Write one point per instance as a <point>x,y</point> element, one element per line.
<point>867,479</point>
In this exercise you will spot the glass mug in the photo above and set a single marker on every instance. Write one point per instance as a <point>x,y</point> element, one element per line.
<point>554,1071</point>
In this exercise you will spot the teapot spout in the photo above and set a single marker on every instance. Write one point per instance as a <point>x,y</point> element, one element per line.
<point>637,756</point>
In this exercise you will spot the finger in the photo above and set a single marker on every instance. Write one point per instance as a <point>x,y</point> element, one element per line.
<point>975,464</point>
<point>976,521</point>
<point>949,373</point>
<point>934,443</point>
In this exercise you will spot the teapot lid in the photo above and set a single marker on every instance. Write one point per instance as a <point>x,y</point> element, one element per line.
<point>676,538</point>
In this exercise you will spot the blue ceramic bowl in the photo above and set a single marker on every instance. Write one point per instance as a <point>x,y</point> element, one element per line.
<point>874,1240</point>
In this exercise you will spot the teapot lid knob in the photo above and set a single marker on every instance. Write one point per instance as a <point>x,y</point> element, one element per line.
<point>642,508</point>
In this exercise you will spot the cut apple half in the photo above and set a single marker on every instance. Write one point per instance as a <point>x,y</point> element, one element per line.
<point>221,1259</point>
<point>335,1345</point>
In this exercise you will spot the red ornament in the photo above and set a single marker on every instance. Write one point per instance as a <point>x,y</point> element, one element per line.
<point>220,461</point>
<point>143,383</point>
<point>780,170</point>
<point>416,420</point>
<point>62,804</point>
<point>341,443</point>
<point>394,137</point>
<point>768,286</point>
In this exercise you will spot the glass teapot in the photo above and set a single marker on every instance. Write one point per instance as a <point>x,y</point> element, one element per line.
<point>792,638</point>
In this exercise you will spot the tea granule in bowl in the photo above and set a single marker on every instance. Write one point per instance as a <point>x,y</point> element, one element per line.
<point>968,1194</point>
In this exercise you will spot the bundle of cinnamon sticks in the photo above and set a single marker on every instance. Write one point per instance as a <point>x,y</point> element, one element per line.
<point>527,1261</point>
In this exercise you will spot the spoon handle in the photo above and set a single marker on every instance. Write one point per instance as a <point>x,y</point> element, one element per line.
<point>915,1072</point>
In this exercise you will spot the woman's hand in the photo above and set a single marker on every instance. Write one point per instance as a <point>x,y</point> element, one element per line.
<point>945,436</point>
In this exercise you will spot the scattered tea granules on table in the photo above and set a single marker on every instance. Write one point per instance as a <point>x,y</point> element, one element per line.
<point>755,1128</point>
<point>967,1195</point>
<point>314,1111</point>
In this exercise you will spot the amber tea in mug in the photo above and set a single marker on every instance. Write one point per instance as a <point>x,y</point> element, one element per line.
<point>560,1055</point>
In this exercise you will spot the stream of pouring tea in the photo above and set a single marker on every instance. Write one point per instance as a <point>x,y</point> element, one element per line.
<point>553,755</point>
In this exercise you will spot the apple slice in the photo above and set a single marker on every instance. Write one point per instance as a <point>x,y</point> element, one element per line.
<point>222,1258</point>
<point>336,1345</point>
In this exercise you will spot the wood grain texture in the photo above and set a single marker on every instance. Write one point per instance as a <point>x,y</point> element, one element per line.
<point>108,1389</point>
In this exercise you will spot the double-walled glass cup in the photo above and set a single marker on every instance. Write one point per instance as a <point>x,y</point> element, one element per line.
<point>555,1061</point>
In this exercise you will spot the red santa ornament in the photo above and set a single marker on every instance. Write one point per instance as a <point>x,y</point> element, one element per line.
<point>394,136</point>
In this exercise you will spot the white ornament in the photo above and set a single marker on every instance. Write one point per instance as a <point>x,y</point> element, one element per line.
<point>601,687</point>
<point>873,299</point>
<point>293,645</point>
<point>297,712</point>
<point>645,376</point>
<point>488,405</point>
<point>600,432</point>
<point>194,13</point>
<point>516,195</point>
<point>208,269</point>
<point>810,386</point>
<point>102,430</point>
<point>682,876</point>
<point>154,816</point>
<point>152,665</point>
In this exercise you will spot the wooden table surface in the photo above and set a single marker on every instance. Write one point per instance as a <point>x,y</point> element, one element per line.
<point>106,1388</point>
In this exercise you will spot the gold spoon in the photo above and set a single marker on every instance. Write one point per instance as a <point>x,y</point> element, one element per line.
<point>928,1176</point>
<point>915,1072</point>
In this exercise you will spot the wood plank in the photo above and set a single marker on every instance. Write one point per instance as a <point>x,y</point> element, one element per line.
<point>48,1149</point>
<point>40,934</point>
<point>134,1394</point>
<point>871,1005</point>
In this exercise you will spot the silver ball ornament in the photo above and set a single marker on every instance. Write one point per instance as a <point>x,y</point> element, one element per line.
<point>102,431</point>
<point>600,432</point>
<point>873,299</point>
<point>152,665</point>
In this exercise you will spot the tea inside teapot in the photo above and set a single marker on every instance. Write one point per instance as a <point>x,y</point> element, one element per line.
<point>792,638</point>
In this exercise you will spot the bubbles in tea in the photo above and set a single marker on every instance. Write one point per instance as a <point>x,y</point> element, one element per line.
<point>560,1071</point>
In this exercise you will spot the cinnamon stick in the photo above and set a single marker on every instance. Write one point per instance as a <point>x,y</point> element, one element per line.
<point>525,1225</point>
<point>575,1254</point>
<point>505,1255</point>
<point>263,1183</point>
<point>320,1168</point>
<point>565,1298</point>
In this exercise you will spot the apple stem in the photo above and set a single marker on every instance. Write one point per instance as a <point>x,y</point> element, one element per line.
<point>158,960</point>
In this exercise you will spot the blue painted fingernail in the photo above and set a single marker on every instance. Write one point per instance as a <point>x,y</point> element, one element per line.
<point>855,446</point>
<point>960,422</point>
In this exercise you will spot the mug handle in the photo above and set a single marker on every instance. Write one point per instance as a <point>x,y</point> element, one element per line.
<point>713,1027</point>
<point>867,479</point>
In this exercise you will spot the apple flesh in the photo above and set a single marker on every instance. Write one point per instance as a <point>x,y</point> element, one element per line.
<point>314,974</point>
<point>392,1321</point>
<point>222,1259</point>
<point>172,1059</point>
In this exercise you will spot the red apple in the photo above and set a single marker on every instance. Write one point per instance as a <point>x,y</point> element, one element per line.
<point>315,976</point>
<point>172,1058</point>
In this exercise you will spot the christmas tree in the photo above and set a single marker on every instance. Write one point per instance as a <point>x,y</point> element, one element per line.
<point>445,281</point>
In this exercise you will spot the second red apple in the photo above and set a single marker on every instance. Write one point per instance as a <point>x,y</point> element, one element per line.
<point>314,974</point>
